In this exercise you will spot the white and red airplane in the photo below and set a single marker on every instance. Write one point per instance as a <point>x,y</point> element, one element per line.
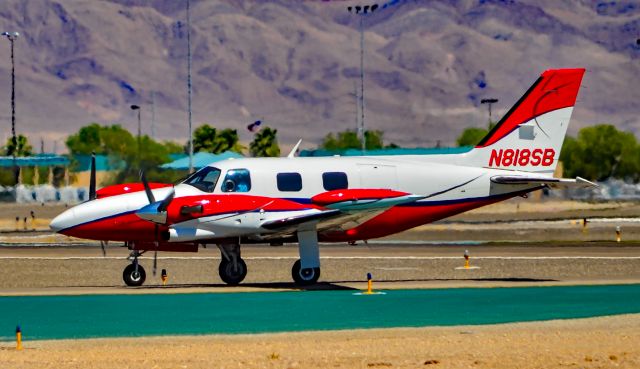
<point>331,199</point>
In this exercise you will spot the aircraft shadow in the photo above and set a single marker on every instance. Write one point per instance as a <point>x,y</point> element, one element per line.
<point>321,286</point>
<point>520,280</point>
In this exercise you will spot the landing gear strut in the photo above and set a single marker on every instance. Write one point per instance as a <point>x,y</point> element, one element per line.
<point>306,270</point>
<point>232,268</point>
<point>134,274</point>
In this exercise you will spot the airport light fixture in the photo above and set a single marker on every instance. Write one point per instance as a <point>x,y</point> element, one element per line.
<point>12,37</point>
<point>189,86</point>
<point>489,102</point>
<point>361,11</point>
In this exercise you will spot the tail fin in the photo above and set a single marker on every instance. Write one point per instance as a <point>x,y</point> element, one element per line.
<point>529,137</point>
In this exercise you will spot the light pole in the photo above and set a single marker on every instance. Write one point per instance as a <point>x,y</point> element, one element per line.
<point>489,102</point>
<point>189,86</point>
<point>136,107</point>
<point>13,36</point>
<point>361,11</point>
<point>153,115</point>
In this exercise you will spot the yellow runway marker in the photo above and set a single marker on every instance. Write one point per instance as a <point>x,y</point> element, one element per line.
<point>164,277</point>
<point>467,262</point>
<point>369,290</point>
<point>18,338</point>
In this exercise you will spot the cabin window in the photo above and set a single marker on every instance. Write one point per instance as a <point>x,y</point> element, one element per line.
<point>334,181</point>
<point>205,179</point>
<point>237,180</point>
<point>289,182</point>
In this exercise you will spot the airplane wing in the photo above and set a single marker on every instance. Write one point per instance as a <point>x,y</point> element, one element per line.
<point>542,180</point>
<point>344,209</point>
<point>299,219</point>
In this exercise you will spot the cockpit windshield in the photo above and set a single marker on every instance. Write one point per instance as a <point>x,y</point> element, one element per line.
<point>205,179</point>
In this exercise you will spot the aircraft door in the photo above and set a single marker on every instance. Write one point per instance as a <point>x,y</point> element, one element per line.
<point>378,176</point>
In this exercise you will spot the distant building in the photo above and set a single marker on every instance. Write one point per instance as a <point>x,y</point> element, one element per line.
<point>200,160</point>
<point>39,160</point>
<point>105,166</point>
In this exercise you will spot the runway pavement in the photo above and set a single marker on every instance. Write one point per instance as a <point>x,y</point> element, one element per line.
<point>78,269</point>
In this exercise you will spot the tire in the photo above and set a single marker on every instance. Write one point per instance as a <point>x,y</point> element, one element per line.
<point>131,279</point>
<point>231,276</point>
<point>304,277</point>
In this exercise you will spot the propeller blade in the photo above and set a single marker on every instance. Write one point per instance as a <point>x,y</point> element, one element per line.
<point>102,246</point>
<point>92,178</point>
<point>164,204</point>
<point>147,189</point>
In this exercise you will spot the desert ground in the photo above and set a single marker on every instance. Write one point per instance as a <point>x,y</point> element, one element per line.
<point>607,342</point>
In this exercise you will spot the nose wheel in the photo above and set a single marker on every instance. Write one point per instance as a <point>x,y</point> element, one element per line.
<point>306,276</point>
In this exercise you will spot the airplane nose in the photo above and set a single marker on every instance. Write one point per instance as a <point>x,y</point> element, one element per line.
<point>62,221</point>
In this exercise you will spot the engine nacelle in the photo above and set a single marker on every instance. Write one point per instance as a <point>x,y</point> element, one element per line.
<point>188,234</point>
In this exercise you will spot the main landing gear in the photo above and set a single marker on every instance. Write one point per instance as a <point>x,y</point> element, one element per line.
<point>306,270</point>
<point>134,274</point>
<point>232,268</point>
<point>306,276</point>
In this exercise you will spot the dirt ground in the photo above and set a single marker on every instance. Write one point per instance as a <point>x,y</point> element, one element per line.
<point>608,342</point>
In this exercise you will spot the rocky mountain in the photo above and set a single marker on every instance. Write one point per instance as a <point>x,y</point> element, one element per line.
<point>295,64</point>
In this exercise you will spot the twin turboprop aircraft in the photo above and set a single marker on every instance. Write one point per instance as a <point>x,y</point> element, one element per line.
<point>331,199</point>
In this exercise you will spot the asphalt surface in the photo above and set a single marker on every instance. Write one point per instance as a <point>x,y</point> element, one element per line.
<point>83,269</point>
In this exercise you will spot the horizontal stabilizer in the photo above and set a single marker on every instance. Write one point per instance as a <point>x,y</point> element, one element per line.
<point>542,180</point>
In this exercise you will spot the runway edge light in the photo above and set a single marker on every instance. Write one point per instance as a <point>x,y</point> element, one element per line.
<point>164,277</point>
<point>18,338</point>
<point>369,284</point>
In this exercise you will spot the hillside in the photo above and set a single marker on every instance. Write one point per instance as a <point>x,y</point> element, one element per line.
<point>295,64</point>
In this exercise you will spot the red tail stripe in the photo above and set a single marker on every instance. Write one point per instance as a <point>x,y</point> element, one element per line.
<point>555,89</point>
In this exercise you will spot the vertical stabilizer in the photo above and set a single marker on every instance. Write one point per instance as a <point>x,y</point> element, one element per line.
<point>529,137</point>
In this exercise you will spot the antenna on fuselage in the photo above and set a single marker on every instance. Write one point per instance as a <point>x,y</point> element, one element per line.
<point>293,151</point>
<point>92,178</point>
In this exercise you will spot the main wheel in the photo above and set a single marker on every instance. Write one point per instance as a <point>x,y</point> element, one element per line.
<point>131,277</point>
<point>304,277</point>
<point>231,274</point>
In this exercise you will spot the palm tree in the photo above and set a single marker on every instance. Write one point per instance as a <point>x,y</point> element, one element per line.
<point>209,139</point>
<point>265,143</point>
